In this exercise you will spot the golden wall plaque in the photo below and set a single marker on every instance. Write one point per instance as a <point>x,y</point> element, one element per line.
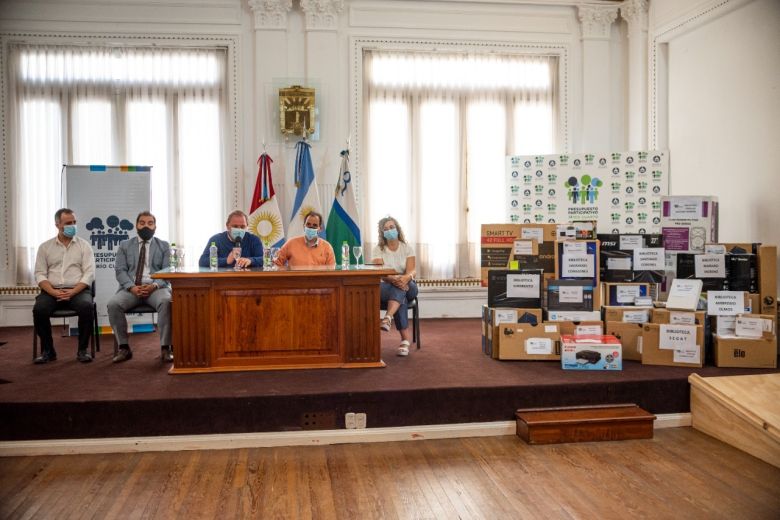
<point>296,110</point>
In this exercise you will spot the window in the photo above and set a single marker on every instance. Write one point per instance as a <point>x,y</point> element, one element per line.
<point>108,105</point>
<point>439,129</point>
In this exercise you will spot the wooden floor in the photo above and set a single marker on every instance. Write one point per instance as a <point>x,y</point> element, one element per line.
<point>681,473</point>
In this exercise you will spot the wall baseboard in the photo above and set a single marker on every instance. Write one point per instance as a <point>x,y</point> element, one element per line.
<point>277,439</point>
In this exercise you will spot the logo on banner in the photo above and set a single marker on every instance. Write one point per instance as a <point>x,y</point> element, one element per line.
<point>642,156</point>
<point>584,190</point>
<point>104,237</point>
<point>589,159</point>
<point>539,160</point>
<point>564,159</point>
<point>615,187</point>
<point>629,160</point>
<point>615,157</point>
<point>552,178</point>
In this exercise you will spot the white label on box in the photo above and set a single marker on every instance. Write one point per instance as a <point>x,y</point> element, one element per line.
<point>725,325</point>
<point>529,233</point>
<point>682,318</point>
<point>714,249</point>
<point>651,259</point>
<point>538,346</point>
<point>710,266</point>
<point>629,242</point>
<point>588,330</point>
<point>749,327</point>
<point>575,248</point>
<point>643,301</point>
<point>570,294</point>
<point>522,285</point>
<point>505,316</point>
<point>627,293</point>
<point>687,355</point>
<point>551,328</point>
<point>619,264</point>
<point>687,209</point>
<point>524,247</point>
<point>769,325</point>
<point>725,303</point>
<point>578,266</point>
<point>677,337</point>
<point>636,316</point>
<point>639,345</point>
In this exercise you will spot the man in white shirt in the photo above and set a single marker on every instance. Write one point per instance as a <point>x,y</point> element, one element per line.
<point>64,270</point>
<point>137,259</point>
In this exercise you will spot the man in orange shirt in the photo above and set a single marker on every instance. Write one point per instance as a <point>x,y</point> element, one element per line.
<point>308,249</point>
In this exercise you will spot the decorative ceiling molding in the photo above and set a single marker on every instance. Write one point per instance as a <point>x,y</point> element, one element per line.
<point>270,14</point>
<point>596,21</point>
<point>322,15</point>
<point>635,13</point>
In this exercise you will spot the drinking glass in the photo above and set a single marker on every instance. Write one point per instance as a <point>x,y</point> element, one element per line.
<point>358,252</point>
<point>236,256</point>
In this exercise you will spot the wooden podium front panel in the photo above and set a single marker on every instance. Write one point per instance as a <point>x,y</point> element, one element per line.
<point>277,322</point>
<point>191,327</point>
<point>361,306</point>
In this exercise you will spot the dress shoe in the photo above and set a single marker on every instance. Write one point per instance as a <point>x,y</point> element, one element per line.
<point>123,355</point>
<point>167,354</point>
<point>45,357</point>
<point>83,357</point>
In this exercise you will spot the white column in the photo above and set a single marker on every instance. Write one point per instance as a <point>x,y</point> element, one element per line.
<point>596,24</point>
<point>634,12</point>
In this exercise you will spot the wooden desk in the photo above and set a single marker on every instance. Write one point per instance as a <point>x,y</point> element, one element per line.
<point>230,320</point>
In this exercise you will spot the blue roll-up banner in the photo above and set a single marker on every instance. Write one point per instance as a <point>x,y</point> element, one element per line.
<point>106,201</point>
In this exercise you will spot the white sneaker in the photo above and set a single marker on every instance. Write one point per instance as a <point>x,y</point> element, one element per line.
<point>385,323</point>
<point>403,349</point>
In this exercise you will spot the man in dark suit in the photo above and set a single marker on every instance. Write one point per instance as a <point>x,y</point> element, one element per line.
<point>136,260</point>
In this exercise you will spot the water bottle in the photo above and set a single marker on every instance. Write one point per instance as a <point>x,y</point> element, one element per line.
<point>345,256</point>
<point>173,258</point>
<point>213,261</point>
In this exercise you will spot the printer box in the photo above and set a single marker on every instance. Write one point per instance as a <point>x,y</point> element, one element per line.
<point>497,316</point>
<point>688,222</point>
<point>629,335</point>
<point>591,353</point>
<point>523,341</point>
<point>745,352</point>
<point>653,354</point>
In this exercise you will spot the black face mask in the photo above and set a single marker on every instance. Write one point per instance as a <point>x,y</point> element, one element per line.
<point>145,233</point>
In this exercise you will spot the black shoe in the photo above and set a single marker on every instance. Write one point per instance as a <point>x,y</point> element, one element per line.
<point>83,357</point>
<point>124,354</point>
<point>45,357</point>
<point>167,354</point>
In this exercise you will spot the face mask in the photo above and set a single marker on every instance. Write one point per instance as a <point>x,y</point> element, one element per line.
<point>310,233</point>
<point>69,230</point>
<point>145,233</point>
<point>391,234</point>
<point>237,233</point>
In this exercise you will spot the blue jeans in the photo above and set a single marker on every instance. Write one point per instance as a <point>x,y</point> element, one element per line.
<point>389,292</point>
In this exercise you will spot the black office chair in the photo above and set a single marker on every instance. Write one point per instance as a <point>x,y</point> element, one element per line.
<point>141,308</point>
<point>70,313</point>
<point>413,306</point>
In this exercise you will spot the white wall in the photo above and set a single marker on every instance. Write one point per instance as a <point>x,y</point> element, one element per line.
<point>724,112</point>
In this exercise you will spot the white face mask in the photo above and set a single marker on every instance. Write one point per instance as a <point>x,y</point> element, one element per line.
<point>237,233</point>
<point>310,233</point>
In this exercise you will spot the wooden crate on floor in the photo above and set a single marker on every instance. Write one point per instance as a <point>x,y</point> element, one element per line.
<point>584,424</point>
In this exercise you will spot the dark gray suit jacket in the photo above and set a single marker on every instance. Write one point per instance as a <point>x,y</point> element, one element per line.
<point>127,261</point>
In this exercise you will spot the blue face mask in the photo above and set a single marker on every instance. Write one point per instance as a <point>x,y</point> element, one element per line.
<point>69,230</point>
<point>310,233</point>
<point>237,233</point>
<point>391,234</point>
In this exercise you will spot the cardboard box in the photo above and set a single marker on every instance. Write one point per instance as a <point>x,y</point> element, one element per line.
<point>662,316</point>
<point>652,354</point>
<point>570,295</point>
<point>628,334</point>
<point>583,230</point>
<point>580,328</point>
<point>626,314</point>
<point>624,293</point>
<point>767,280</point>
<point>528,342</point>
<point>544,234</point>
<point>572,315</point>
<point>745,352</point>
<point>521,289</point>
<point>688,222</point>
<point>497,315</point>
<point>591,353</point>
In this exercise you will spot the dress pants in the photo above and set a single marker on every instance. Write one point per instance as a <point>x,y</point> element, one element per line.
<point>125,300</point>
<point>44,307</point>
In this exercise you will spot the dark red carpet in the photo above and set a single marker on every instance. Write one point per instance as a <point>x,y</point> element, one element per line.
<point>448,381</point>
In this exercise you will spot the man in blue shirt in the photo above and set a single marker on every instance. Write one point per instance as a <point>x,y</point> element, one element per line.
<point>235,235</point>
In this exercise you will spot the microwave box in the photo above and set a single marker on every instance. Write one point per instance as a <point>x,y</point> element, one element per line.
<point>688,222</point>
<point>523,341</point>
<point>591,353</point>
<point>629,335</point>
<point>653,354</point>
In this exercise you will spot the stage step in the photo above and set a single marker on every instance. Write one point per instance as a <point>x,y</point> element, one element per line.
<point>615,422</point>
<point>743,411</point>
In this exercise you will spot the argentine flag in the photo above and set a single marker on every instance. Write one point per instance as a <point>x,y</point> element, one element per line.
<point>343,218</point>
<point>265,219</point>
<point>306,197</point>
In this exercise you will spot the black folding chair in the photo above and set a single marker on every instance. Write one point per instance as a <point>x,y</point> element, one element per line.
<point>70,313</point>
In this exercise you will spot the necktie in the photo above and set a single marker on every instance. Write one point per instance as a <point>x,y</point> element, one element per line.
<point>139,271</point>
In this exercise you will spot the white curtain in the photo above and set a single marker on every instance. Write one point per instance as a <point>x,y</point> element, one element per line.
<point>106,105</point>
<point>439,127</point>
